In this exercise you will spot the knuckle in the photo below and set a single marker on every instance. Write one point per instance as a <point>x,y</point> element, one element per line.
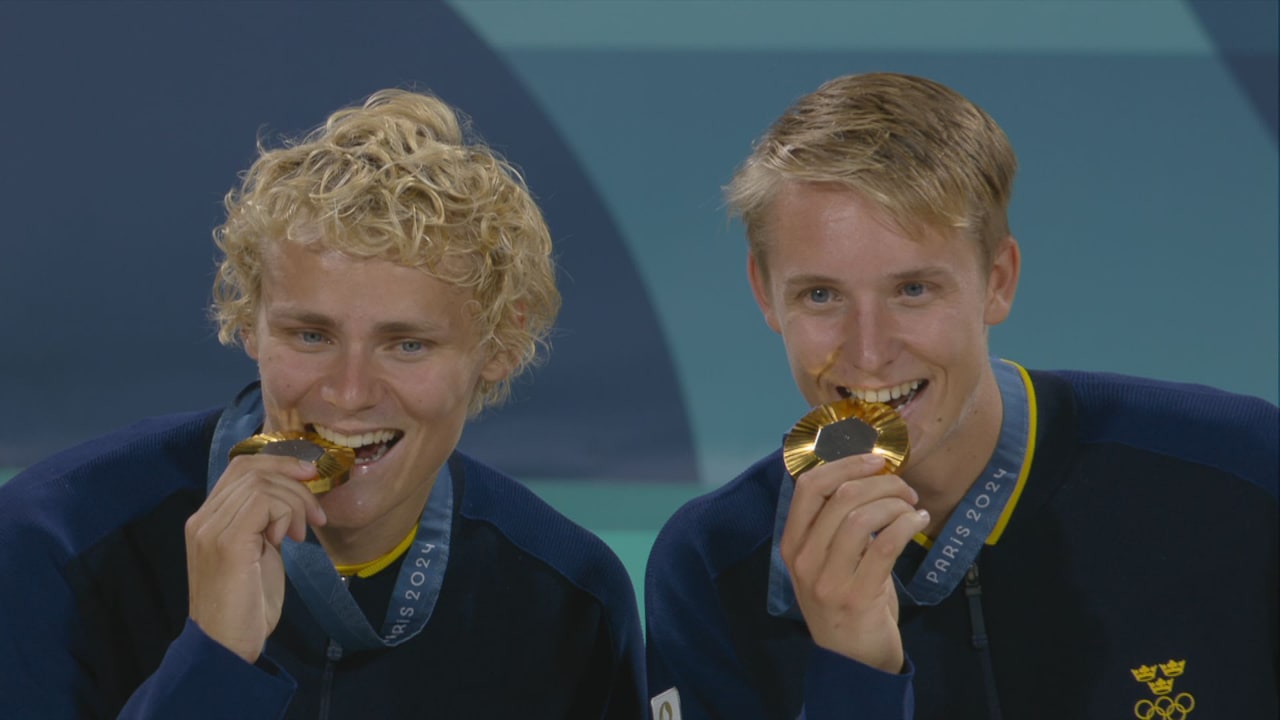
<point>828,592</point>
<point>202,540</point>
<point>821,478</point>
<point>198,529</point>
<point>257,468</point>
<point>890,484</point>
<point>850,491</point>
<point>800,564</point>
<point>882,548</point>
<point>244,466</point>
<point>858,523</point>
<point>807,484</point>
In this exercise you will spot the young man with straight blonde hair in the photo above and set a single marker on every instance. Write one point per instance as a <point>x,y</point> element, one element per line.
<point>1056,545</point>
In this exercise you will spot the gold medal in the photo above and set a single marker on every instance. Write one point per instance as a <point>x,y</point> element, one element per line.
<point>332,461</point>
<point>843,428</point>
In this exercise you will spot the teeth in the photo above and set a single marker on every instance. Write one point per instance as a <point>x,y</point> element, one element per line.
<point>355,441</point>
<point>884,395</point>
<point>375,457</point>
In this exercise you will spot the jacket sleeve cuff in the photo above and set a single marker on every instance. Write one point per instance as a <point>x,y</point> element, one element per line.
<point>199,678</point>
<point>838,688</point>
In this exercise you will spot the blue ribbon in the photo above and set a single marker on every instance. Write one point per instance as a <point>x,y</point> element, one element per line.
<point>971,523</point>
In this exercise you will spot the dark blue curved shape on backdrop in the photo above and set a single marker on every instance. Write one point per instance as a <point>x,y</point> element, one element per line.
<point>125,123</point>
<point>1244,35</point>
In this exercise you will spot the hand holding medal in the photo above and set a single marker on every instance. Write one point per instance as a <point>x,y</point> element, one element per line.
<point>847,524</point>
<point>235,573</point>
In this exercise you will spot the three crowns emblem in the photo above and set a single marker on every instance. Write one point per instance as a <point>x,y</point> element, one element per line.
<point>1159,685</point>
<point>1159,679</point>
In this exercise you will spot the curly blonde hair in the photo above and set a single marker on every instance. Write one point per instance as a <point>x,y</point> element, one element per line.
<point>396,179</point>
<point>926,155</point>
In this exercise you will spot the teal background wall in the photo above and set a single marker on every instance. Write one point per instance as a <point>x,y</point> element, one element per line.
<point>1146,201</point>
<point>1146,204</point>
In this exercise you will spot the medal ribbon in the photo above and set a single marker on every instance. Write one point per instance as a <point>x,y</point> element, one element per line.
<point>312,573</point>
<point>979,518</point>
<point>973,521</point>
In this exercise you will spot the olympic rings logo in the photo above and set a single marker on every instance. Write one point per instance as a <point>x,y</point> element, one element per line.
<point>1165,708</point>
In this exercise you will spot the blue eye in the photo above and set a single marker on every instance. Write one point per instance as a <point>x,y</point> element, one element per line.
<point>310,337</point>
<point>412,346</point>
<point>820,295</point>
<point>913,289</point>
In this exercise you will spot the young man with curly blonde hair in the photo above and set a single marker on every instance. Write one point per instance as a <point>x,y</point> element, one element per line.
<point>390,276</point>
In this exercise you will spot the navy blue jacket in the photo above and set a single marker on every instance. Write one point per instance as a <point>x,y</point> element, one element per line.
<point>536,616</point>
<point>1137,577</point>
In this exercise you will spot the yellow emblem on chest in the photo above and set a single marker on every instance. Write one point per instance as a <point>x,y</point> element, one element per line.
<point>1164,704</point>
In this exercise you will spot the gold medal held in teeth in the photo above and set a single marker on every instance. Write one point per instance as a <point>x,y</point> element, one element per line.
<point>333,462</point>
<point>843,428</point>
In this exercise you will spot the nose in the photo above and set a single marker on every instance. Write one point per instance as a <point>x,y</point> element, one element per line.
<point>352,383</point>
<point>870,343</point>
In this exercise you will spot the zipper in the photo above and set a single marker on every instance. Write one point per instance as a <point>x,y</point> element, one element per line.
<point>979,640</point>
<point>332,654</point>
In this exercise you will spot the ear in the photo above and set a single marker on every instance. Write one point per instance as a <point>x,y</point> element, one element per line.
<point>1002,281</point>
<point>498,366</point>
<point>249,339</point>
<point>760,289</point>
<point>502,362</point>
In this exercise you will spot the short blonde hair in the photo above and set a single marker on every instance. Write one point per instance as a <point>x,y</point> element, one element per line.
<point>926,155</point>
<point>395,179</point>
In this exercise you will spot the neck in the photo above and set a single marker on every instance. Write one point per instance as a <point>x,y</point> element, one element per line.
<point>942,479</point>
<point>372,540</point>
<point>378,564</point>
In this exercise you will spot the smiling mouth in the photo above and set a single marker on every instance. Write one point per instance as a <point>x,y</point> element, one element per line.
<point>369,447</point>
<point>896,396</point>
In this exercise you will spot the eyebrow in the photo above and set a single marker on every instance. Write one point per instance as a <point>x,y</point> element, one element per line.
<point>406,328</point>
<point>319,320</point>
<point>809,280</point>
<point>300,317</point>
<point>927,272</point>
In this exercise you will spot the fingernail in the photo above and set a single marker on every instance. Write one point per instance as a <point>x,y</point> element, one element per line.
<point>924,514</point>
